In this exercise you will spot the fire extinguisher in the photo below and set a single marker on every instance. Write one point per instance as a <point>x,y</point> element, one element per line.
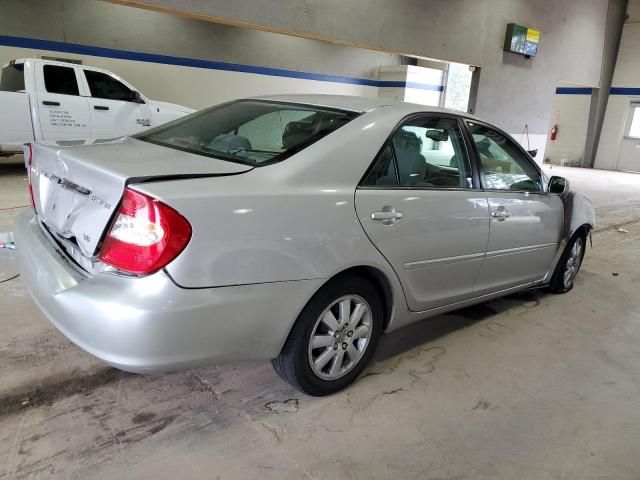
<point>554,132</point>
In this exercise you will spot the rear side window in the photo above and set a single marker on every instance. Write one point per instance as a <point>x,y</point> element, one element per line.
<point>383,173</point>
<point>61,80</point>
<point>105,86</point>
<point>12,78</point>
<point>252,132</point>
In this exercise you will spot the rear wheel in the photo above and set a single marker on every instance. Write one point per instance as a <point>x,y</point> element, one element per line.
<point>334,337</point>
<point>569,264</point>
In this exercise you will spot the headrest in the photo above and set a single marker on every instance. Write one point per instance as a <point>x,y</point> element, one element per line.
<point>407,141</point>
<point>230,143</point>
<point>296,132</point>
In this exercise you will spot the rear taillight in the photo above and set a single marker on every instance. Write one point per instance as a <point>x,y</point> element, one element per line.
<point>145,235</point>
<point>29,151</point>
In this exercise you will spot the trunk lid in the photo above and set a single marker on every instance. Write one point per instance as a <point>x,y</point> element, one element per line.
<point>78,189</point>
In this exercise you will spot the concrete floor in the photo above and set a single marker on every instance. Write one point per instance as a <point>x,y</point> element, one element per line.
<point>533,386</point>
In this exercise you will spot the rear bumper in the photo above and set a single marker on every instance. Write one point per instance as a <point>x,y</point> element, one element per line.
<point>150,324</point>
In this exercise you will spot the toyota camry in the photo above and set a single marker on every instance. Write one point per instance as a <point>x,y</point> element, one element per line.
<point>293,228</point>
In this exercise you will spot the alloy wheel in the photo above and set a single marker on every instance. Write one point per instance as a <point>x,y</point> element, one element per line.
<point>573,262</point>
<point>340,337</point>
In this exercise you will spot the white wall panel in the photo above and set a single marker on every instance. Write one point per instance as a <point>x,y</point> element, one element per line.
<point>572,111</point>
<point>422,85</point>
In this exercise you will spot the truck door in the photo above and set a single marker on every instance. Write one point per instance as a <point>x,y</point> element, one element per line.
<point>116,109</point>
<point>63,113</point>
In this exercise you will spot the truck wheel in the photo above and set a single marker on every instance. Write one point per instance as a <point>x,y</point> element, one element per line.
<point>569,264</point>
<point>334,337</point>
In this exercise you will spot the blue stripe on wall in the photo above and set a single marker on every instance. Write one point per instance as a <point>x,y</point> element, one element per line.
<point>421,86</point>
<point>78,49</point>
<point>631,91</point>
<point>574,91</point>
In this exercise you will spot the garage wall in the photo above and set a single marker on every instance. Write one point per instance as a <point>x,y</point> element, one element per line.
<point>626,87</point>
<point>197,87</point>
<point>571,109</point>
<point>285,64</point>
<point>512,90</point>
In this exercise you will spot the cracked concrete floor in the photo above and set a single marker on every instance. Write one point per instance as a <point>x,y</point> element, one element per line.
<point>530,386</point>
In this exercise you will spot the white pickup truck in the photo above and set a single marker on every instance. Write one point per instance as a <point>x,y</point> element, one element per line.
<point>66,104</point>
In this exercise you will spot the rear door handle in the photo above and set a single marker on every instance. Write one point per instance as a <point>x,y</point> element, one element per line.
<point>51,104</point>
<point>388,215</point>
<point>100,107</point>
<point>501,214</point>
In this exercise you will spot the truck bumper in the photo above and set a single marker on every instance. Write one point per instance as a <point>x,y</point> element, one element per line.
<point>8,149</point>
<point>149,324</point>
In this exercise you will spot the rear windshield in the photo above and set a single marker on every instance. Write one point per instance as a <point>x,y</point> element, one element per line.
<point>252,132</point>
<point>12,78</point>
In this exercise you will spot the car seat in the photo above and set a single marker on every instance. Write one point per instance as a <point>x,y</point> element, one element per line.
<point>412,166</point>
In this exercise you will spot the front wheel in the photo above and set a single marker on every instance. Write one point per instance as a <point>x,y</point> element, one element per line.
<point>334,337</point>
<point>569,265</point>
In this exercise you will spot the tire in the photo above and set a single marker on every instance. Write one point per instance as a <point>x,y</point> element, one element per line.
<point>569,264</point>
<point>341,350</point>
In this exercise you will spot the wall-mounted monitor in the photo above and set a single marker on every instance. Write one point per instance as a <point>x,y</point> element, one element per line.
<point>522,40</point>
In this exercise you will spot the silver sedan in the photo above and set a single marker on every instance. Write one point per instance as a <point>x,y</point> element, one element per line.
<point>292,228</point>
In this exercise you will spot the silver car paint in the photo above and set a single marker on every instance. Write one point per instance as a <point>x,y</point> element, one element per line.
<point>578,212</point>
<point>257,254</point>
<point>150,324</point>
<point>103,172</point>
<point>437,248</point>
<point>254,232</point>
<point>522,247</point>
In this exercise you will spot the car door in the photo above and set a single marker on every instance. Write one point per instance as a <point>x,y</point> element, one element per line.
<point>526,221</point>
<point>418,205</point>
<point>116,109</point>
<point>63,112</point>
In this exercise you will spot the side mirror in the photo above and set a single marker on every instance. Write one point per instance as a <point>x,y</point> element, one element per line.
<point>558,185</point>
<point>136,97</point>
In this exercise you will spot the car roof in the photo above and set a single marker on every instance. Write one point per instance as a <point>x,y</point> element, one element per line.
<point>358,104</point>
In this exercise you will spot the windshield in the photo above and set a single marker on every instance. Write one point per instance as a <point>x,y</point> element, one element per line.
<point>12,78</point>
<point>252,132</point>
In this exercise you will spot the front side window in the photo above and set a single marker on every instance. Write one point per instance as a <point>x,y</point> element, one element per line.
<point>504,165</point>
<point>425,152</point>
<point>12,78</point>
<point>61,80</point>
<point>105,86</point>
<point>251,132</point>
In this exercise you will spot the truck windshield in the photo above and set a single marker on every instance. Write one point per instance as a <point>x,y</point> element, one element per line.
<point>12,78</point>
<point>252,132</point>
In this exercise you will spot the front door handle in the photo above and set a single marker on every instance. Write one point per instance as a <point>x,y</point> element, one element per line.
<point>388,215</point>
<point>51,104</point>
<point>501,214</point>
<point>100,107</point>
